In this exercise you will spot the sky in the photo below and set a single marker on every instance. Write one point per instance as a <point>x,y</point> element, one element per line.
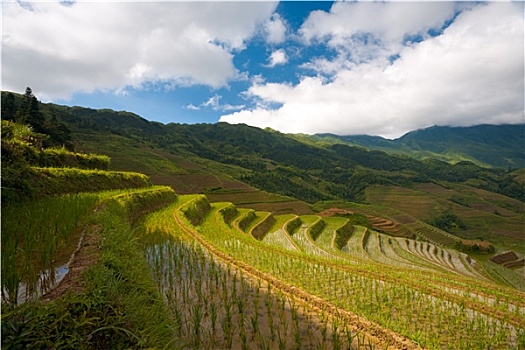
<point>298,67</point>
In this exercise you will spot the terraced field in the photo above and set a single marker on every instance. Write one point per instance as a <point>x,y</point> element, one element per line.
<point>394,292</point>
<point>242,279</point>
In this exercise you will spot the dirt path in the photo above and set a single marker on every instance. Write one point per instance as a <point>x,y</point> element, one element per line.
<point>86,255</point>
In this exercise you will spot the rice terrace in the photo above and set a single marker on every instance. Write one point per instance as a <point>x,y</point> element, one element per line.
<point>262,175</point>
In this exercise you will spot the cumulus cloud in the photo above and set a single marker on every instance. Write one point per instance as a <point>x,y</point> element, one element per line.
<point>275,29</point>
<point>277,57</point>
<point>363,31</point>
<point>471,73</point>
<point>60,49</point>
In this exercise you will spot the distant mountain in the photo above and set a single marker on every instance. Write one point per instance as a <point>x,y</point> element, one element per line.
<point>487,145</point>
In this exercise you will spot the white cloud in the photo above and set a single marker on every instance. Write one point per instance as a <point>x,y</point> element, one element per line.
<point>86,46</point>
<point>361,32</point>
<point>275,29</point>
<point>471,74</point>
<point>277,57</point>
<point>215,104</point>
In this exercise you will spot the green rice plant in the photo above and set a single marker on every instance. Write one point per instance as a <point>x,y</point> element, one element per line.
<point>60,157</point>
<point>32,235</point>
<point>56,181</point>
<point>110,312</point>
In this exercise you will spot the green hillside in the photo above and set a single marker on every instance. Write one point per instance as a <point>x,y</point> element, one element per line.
<point>486,145</point>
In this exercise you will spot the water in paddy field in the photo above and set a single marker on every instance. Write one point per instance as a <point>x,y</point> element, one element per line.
<point>47,280</point>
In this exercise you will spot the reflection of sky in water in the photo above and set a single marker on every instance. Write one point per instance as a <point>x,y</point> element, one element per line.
<point>45,283</point>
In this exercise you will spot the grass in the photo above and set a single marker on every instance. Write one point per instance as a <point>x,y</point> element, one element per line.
<point>41,235</point>
<point>120,306</point>
<point>55,181</point>
<point>33,233</point>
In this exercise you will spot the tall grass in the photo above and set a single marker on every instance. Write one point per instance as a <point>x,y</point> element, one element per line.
<point>32,234</point>
<point>120,307</point>
<point>56,181</point>
<point>60,157</point>
<point>41,235</point>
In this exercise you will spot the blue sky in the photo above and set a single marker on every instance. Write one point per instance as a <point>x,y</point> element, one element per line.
<point>312,67</point>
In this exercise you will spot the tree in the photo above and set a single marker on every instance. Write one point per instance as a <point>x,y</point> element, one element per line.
<point>30,112</point>
<point>8,106</point>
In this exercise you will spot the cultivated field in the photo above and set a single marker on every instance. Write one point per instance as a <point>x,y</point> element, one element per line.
<point>389,291</point>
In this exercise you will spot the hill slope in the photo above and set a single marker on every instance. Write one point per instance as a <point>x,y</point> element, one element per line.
<point>489,145</point>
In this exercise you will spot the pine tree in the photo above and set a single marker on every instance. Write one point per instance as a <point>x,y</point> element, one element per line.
<point>30,112</point>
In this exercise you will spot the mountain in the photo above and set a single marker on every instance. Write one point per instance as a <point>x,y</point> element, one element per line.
<point>486,145</point>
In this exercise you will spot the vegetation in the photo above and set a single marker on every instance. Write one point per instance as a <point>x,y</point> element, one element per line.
<point>24,176</point>
<point>485,145</point>
<point>149,268</point>
<point>377,300</point>
<point>119,307</point>
<point>447,221</point>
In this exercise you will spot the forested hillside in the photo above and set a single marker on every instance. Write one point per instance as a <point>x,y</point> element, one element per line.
<point>486,145</point>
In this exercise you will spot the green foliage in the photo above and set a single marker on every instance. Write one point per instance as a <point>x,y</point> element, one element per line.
<point>342,234</point>
<point>261,229</point>
<point>138,202</point>
<point>229,213</point>
<point>292,225</point>
<point>494,145</point>
<point>473,248</point>
<point>55,181</point>
<point>448,221</point>
<point>22,149</point>
<point>60,157</point>
<point>317,228</point>
<point>120,308</point>
<point>247,219</point>
<point>303,168</point>
<point>26,109</point>
<point>196,210</point>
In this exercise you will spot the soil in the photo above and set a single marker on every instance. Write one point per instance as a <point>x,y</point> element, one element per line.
<point>85,256</point>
